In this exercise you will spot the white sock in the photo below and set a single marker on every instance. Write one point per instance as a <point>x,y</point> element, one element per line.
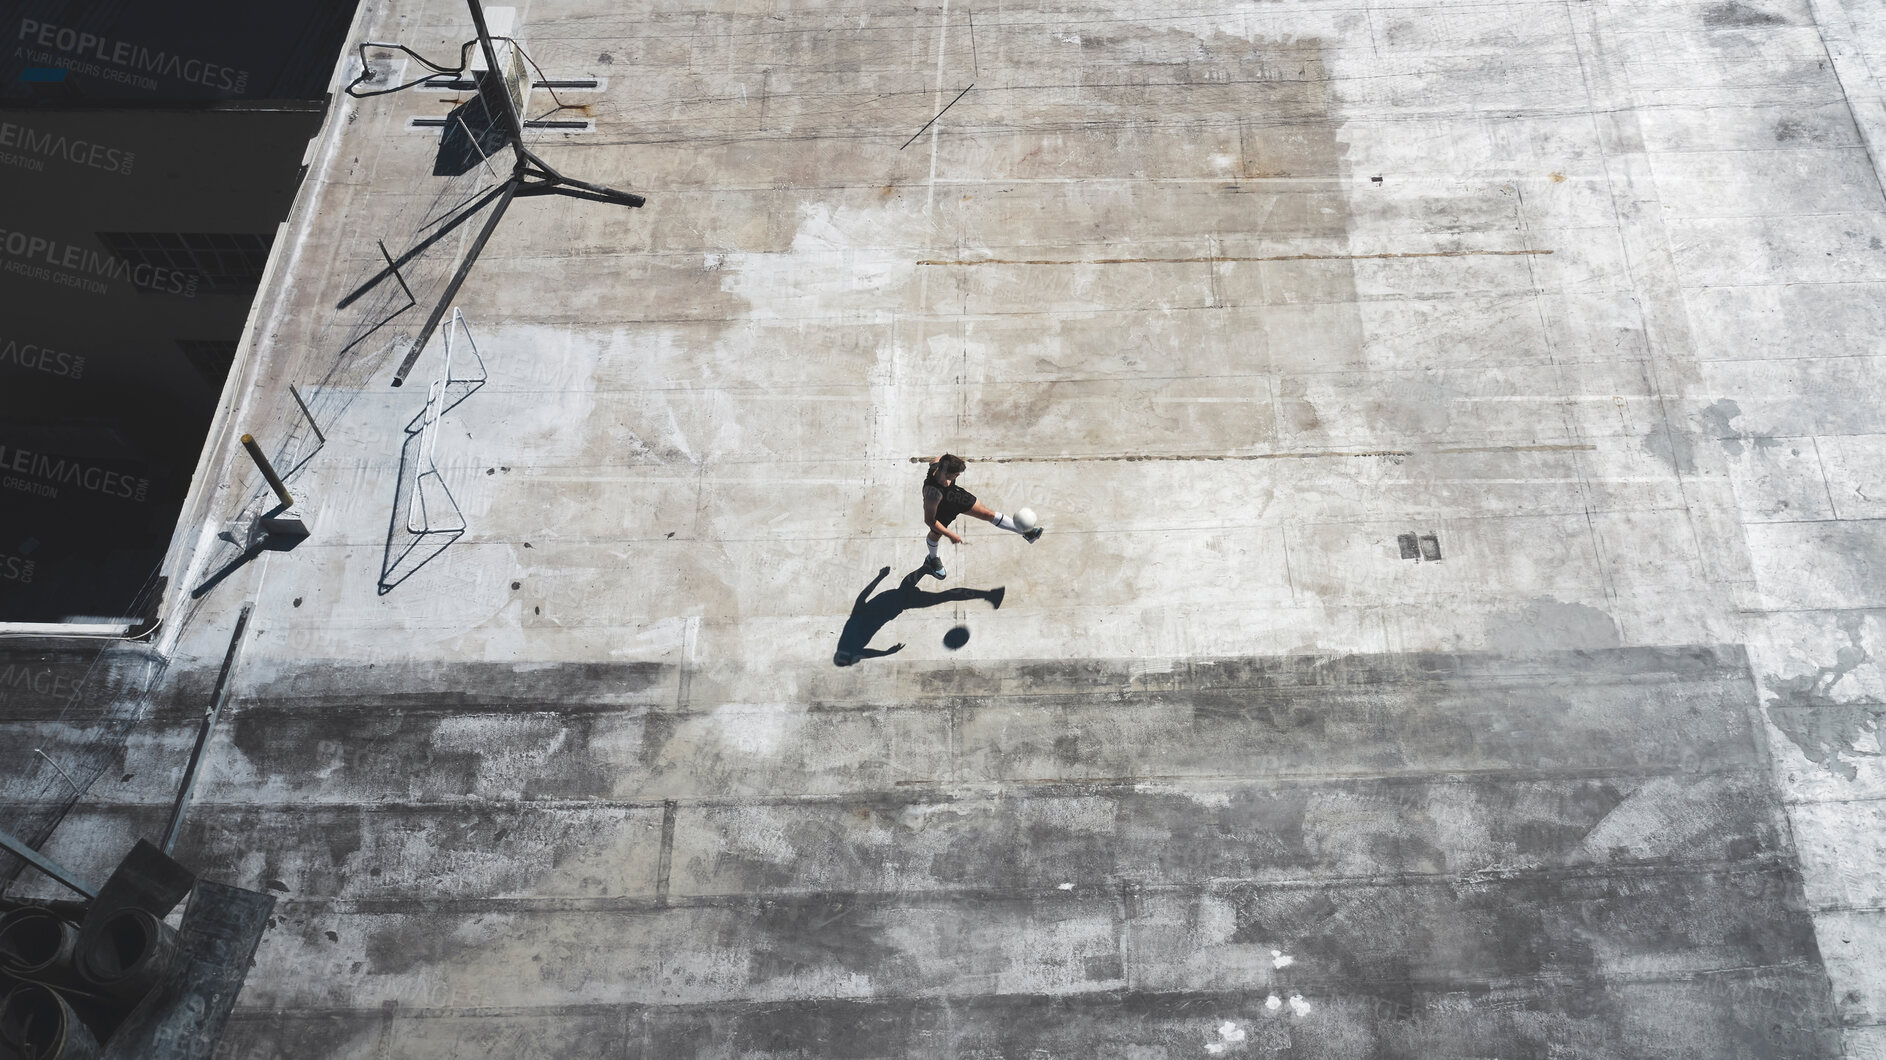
<point>1006,523</point>
<point>933,546</point>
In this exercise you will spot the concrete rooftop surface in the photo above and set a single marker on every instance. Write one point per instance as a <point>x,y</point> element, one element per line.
<point>1459,429</point>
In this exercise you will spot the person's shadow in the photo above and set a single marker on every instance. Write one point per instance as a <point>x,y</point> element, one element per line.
<point>872,613</point>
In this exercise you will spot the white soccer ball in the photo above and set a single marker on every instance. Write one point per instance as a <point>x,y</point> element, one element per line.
<point>1025,518</point>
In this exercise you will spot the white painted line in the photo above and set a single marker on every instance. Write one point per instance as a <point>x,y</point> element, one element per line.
<point>65,629</point>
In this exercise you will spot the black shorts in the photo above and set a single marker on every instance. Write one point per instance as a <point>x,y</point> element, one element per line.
<point>956,500</point>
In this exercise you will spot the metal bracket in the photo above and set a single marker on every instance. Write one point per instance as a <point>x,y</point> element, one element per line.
<point>418,512</point>
<point>46,865</point>
<point>530,175</point>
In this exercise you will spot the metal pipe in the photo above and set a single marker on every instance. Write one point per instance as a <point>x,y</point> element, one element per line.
<point>47,866</point>
<point>513,187</point>
<point>512,123</point>
<point>472,137</point>
<point>268,470</point>
<point>322,438</point>
<point>452,221</point>
<point>76,790</point>
<point>410,300</point>
<point>210,715</point>
<point>602,192</point>
<point>458,280</point>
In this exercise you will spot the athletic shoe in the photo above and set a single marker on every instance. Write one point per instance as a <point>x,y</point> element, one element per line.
<point>1032,536</point>
<point>934,566</point>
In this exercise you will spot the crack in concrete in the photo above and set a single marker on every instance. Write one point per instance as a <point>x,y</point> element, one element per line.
<point>1214,259</point>
<point>1306,454</point>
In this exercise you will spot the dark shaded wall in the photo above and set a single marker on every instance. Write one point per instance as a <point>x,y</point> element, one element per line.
<point>147,154</point>
<point>140,52</point>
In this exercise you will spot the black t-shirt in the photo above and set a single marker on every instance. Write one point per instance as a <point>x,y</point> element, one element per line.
<point>950,502</point>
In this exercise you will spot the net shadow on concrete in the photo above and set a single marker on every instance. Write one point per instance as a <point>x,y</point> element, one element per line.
<point>388,288</point>
<point>407,550</point>
<point>433,518</point>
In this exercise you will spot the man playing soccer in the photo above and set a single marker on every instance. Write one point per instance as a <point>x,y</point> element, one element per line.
<point>944,500</point>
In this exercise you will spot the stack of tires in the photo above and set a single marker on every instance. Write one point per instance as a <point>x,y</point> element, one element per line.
<point>65,988</point>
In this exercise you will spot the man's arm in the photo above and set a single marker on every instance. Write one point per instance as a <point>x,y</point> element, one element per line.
<point>929,518</point>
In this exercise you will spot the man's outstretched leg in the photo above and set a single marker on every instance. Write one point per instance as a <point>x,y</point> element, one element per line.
<point>1004,522</point>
